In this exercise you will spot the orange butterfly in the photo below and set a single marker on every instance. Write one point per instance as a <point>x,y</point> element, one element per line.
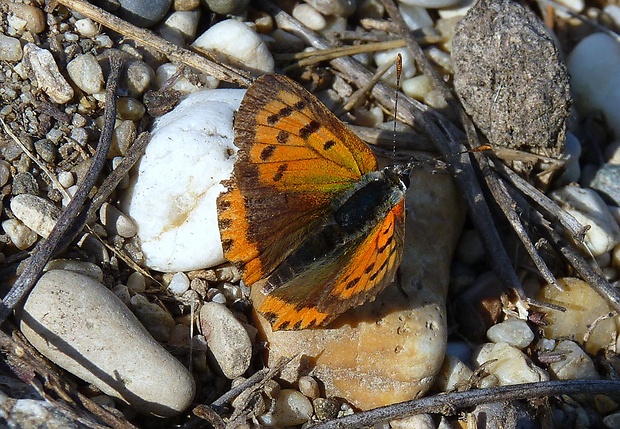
<point>306,215</point>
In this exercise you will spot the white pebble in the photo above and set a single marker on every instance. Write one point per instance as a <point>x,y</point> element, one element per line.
<point>172,199</point>
<point>185,22</point>
<point>10,49</point>
<point>227,339</point>
<point>85,71</point>
<point>169,76</point>
<point>309,386</point>
<point>292,408</point>
<point>101,342</point>
<point>514,332</point>
<point>116,222</point>
<point>419,421</point>
<point>389,57</point>
<point>234,43</point>
<point>136,282</point>
<point>592,65</point>
<point>179,284</point>
<point>575,363</point>
<point>37,213</point>
<point>417,86</point>
<point>81,267</point>
<point>46,74</point>
<point>87,27</point>
<point>510,366</point>
<point>219,298</point>
<point>590,209</point>
<point>415,17</point>
<point>309,17</point>
<point>66,179</point>
<point>155,319</point>
<point>20,235</point>
<point>453,373</point>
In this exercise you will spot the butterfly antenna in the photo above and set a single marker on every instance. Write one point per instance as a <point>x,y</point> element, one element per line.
<point>399,72</point>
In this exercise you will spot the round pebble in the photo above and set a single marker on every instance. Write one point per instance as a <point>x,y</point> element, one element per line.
<point>116,222</point>
<point>227,7</point>
<point>453,373</point>
<point>234,43</point>
<point>419,421</point>
<point>590,209</point>
<point>37,213</point>
<point>10,49</point>
<point>86,27</point>
<point>155,319</point>
<point>514,332</point>
<point>178,284</point>
<point>341,8</point>
<point>143,13</point>
<point>292,408</point>
<point>5,172</point>
<point>417,87</point>
<point>594,82</point>
<point>171,199</point>
<point>85,71</point>
<point>130,108</point>
<point>138,77</point>
<point>136,282</point>
<point>309,387</point>
<point>185,22</point>
<point>81,267</point>
<point>115,352</point>
<point>46,74</point>
<point>32,16</point>
<point>227,339</point>
<point>510,366</point>
<point>20,235</point>
<point>575,364</point>
<point>309,16</point>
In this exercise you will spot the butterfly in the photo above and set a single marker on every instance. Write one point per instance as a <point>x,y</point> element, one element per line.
<point>307,216</point>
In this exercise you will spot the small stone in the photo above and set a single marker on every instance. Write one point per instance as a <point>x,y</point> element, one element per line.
<point>143,13</point>
<point>20,235</point>
<point>309,16</point>
<point>178,284</point>
<point>607,183</point>
<point>185,22</point>
<point>583,306</point>
<point>227,7</point>
<point>514,332</point>
<point>341,8</point>
<point>46,150</point>
<point>24,183</point>
<point>84,328</point>
<point>508,364</point>
<point>417,87</point>
<point>227,339</point>
<point>612,421</point>
<point>232,42</point>
<point>575,363</point>
<point>590,209</point>
<point>33,17</point>
<point>326,408</point>
<point>171,199</point>
<point>130,108</point>
<point>10,49</point>
<point>122,293</point>
<point>46,75</point>
<point>81,267</point>
<point>591,65</point>
<point>415,17</point>
<point>37,213</point>
<point>186,4</point>
<point>452,375</point>
<point>389,57</point>
<point>419,421</point>
<point>136,282</point>
<point>116,222</point>
<point>5,172</point>
<point>138,78</point>
<point>309,387</point>
<point>122,138</point>
<point>86,27</point>
<point>292,408</point>
<point>85,71</point>
<point>155,319</point>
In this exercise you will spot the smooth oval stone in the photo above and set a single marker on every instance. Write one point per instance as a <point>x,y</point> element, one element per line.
<point>84,328</point>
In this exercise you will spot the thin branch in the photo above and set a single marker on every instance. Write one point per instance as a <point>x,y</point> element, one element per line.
<point>47,247</point>
<point>450,403</point>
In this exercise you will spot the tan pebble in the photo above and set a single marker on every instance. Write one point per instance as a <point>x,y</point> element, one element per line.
<point>227,339</point>
<point>35,212</point>
<point>417,87</point>
<point>292,408</point>
<point>155,319</point>
<point>33,16</point>
<point>138,77</point>
<point>575,363</point>
<point>508,364</point>
<point>20,235</point>
<point>136,282</point>
<point>583,306</point>
<point>453,374</point>
<point>122,138</point>
<point>309,387</point>
<point>81,267</point>
<point>420,421</point>
<point>46,74</point>
<point>186,4</point>
<point>272,389</point>
<point>342,8</point>
<point>85,71</point>
<point>130,108</point>
<point>116,222</point>
<point>515,332</point>
<point>83,327</point>
<point>309,16</point>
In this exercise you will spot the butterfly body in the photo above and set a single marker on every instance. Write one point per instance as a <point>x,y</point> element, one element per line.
<point>307,217</point>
